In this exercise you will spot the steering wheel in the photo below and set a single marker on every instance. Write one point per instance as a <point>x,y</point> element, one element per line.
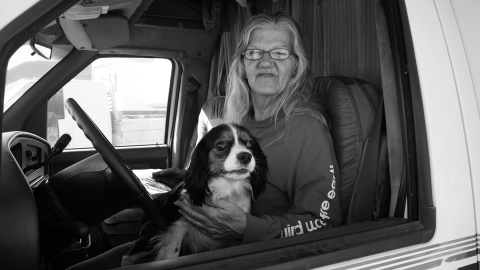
<point>116,163</point>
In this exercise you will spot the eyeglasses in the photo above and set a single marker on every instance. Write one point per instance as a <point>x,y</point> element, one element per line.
<point>277,54</point>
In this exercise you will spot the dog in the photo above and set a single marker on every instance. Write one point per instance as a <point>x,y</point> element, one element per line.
<point>227,163</point>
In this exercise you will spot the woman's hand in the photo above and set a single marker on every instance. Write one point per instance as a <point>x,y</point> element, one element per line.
<point>219,219</point>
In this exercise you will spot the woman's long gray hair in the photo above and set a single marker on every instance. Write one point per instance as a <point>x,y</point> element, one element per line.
<point>296,98</point>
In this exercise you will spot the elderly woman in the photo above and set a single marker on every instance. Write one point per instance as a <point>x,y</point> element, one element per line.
<point>269,92</point>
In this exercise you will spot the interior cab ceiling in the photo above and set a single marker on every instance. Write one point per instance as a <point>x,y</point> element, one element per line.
<point>190,26</point>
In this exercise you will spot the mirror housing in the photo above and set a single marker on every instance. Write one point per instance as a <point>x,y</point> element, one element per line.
<point>41,46</point>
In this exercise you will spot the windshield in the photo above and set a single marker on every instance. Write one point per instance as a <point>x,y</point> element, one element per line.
<point>25,68</point>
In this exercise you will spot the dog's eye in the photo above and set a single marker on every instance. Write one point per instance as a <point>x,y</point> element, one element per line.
<point>221,146</point>
<point>249,143</point>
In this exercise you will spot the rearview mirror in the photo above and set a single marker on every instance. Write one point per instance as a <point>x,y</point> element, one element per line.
<point>41,46</point>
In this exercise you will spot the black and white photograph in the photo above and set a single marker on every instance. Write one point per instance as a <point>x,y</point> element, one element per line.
<point>240,134</point>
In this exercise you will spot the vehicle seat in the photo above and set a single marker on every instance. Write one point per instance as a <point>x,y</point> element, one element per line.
<point>351,106</point>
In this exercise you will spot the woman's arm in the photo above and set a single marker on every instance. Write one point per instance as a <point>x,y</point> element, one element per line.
<point>312,192</point>
<point>224,220</point>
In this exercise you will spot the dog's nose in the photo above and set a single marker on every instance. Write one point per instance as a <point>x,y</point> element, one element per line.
<point>244,157</point>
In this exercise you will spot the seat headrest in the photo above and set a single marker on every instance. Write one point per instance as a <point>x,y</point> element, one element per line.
<point>350,105</point>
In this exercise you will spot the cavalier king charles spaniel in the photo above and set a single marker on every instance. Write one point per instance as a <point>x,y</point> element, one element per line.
<point>227,163</point>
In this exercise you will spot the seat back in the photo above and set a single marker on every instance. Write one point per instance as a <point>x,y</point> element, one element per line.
<point>351,106</point>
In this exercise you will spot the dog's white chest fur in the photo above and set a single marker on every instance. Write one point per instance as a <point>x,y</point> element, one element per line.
<point>237,191</point>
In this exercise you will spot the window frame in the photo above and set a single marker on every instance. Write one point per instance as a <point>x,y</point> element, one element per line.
<point>167,109</point>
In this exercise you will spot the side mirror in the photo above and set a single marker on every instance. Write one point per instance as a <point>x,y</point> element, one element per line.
<point>41,46</point>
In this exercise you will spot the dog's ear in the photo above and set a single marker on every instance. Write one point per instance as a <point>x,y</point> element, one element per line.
<point>196,179</point>
<point>258,179</point>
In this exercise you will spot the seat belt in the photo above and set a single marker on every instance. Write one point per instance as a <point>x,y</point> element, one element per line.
<point>190,106</point>
<point>392,112</point>
<point>363,198</point>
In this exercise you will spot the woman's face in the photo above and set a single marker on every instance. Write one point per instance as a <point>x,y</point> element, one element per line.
<point>266,76</point>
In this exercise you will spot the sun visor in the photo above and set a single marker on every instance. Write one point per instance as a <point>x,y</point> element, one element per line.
<point>100,33</point>
<point>106,32</point>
